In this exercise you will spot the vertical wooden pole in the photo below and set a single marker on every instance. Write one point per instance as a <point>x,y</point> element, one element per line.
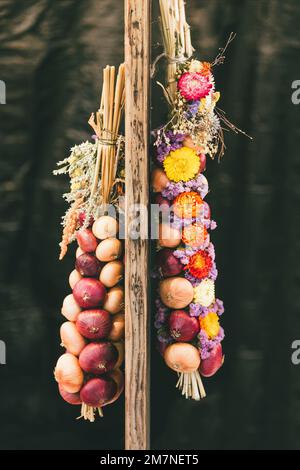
<point>137,62</point>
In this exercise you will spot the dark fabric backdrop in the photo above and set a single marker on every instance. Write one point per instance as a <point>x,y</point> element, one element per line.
<point>50,58</point>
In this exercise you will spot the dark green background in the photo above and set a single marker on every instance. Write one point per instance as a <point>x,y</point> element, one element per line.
<point>50,58</point>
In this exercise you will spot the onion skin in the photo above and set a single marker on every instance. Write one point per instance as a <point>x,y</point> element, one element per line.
<point>114,301</point>
<point>109,249</point>
<point>118,377</point>
<point>168,264</point>
<point>169,237</point>
<point>98,391</point>
<point>82,217</point>
<point>71,338</point>
<point>182,357</point>
<point>98,358</point>
<point>112,273</point>
<point>71,398</point>
<point>117,331</point>
<point>176,292</point>
<point>89,292</point>
<point>202,157</point>
<point>94,324</point>
<point>105,227</point>
<point>188,142</point>
<point>182,327</point>
<point>70,308</point>
<point>164,203</point>
<point>74,277</point>
<point>79,252</point>
<point>86,240</point>
<point>88,265</point>
<point>68,373</point>
<point>159,180</point>
<point>213,363</point>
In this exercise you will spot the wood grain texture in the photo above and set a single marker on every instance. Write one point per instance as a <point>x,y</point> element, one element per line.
<point>137,60</point>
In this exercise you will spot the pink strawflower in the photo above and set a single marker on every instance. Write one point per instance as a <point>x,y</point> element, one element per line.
<point>194,86</point>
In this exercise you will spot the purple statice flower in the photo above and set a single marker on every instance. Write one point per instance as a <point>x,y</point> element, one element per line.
<point>199,184</point>
<point>197,310</point>
<point>220,307</point>
<point>207,345</point>
<point>213,225</point>
<point>166,141</point>
<point>213,274</point>
<point>192,109</point>
<point>194,281</point>
<point>211,251</point>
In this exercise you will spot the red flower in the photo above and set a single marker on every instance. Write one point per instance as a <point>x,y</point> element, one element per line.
<point>199,264</point>
<point>194,85</point>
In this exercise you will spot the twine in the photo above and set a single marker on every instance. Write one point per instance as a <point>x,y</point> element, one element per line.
<point>181,59</point>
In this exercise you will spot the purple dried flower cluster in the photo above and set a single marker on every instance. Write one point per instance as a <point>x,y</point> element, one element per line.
<point>166,141</point>
<point>197,310</point>
<point>198,184</point>
<point>207,345</point>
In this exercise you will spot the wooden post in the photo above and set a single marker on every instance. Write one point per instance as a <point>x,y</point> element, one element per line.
<point>137,62</point>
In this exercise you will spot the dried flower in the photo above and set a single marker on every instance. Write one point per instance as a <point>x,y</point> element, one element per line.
<point>194,85</point>
<point>182,164</point>
<point>204,293</point>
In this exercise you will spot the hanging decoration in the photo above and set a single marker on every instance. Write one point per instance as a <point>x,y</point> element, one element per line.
<point>187,310</point>
<point>88,373</point>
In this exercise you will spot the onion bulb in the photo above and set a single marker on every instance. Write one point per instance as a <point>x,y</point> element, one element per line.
<point>183,327</point>
<point>94,324</point>
<point>163,203</point>
<point>105,227</point>
<point>71,338</point>
<point>109,250</point>
<point>79,252</point>
<point>168,264</point>
<point>182,357</point>
<point>70,308</point>
<point>74,277</point>
<point>117,331</point>
<point>89,292</point>
<point>88,265</point>
<point>176,292</point>
<point>98,358</point>
<point>114,301</point>
<point>112,273</point>
<point>98,391</point>
<point>82,217</point>
<point>86,240</point>
<point>71,398</point>
<point>169,237</point>
<point>159,180</point>
<point>212,364</point>
<point>68,373</point>
<point>118,377</point>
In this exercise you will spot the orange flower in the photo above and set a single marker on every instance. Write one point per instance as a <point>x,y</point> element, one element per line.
<point>206,68</point>
<point>199,264</point>
<point>187,205</point>
<point>194,235</point>
<point>210,324</point>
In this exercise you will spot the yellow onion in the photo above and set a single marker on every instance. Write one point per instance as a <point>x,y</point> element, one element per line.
<point>114,301</point>
<point>105,227</point>
<point>71,338</point>
<point>74,277</point>
<point>79,252</point>
<point>169,237</point>
<point>70,308</point>
<point>109,250</point>
<point>68,373</point>
<point>117,331</point>
<point>159,180</point>
<point>182,357</point>
<point>112,273</point>
<point>176,292</point>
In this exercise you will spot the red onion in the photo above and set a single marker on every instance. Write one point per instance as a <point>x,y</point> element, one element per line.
<point>72,398</point>
<point>182,326</point>
<point>164,203</point>
<point>202,157</point>
<point>88,265</point>
<point>89,292</point>
<point>86,240</point>
<point>168,264</point>
<point>98,391</point>
<point>82,217</point>
<point>98,358</point>
<point>94,324</point>
<point>209,366</point>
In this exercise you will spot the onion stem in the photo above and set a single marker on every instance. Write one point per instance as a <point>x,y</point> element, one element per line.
<point>191,385</point>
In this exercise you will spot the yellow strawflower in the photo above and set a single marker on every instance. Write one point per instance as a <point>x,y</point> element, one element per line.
<point>210,324</point>
<point>182,164</point>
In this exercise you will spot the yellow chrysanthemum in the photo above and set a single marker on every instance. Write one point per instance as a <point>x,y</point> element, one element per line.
<point>210,324</point>
<point>204,293</point>
<point>182,164</point>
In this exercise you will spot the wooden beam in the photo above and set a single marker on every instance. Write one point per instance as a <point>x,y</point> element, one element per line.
<point>137,354</point>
